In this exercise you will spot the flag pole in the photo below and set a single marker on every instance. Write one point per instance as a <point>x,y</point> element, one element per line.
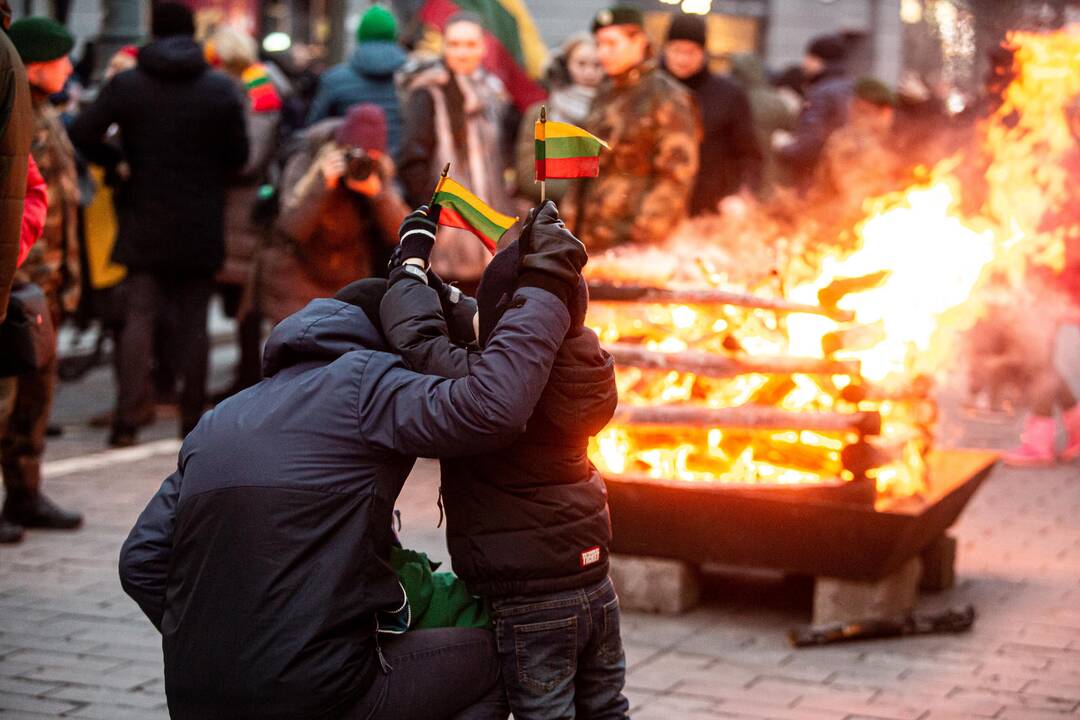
<point>543,183</point>
<point>438,185</point>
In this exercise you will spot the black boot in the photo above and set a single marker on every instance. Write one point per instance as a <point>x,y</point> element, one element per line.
<point>10,533</point>
<point>26,505</point>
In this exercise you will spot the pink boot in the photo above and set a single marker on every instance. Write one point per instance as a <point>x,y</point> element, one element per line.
<point>1072,434</point>
<point>1036,444</point>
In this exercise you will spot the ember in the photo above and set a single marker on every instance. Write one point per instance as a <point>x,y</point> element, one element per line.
<point>735,378</point>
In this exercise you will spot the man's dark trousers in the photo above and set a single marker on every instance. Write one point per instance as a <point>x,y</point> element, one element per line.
<point>183,299</point>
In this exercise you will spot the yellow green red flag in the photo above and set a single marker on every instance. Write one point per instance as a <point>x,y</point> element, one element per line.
<point>459,208</point>
<point>566,151</point>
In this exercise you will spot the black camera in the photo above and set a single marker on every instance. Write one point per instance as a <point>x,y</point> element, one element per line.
<point>359,165</point>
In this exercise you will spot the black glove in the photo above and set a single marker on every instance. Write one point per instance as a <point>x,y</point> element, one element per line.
<point>416,237</point>
<point>551,257</point>
<point>459,309</point>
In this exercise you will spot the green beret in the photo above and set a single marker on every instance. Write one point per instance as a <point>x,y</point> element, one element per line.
<point>875,92</point>
<point>40,39</point>
<point>618,15</point>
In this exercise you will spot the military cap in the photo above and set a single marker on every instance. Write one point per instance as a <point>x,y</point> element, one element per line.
<point>875,92</point>
<point>40,39</point>
<point>618,15</point>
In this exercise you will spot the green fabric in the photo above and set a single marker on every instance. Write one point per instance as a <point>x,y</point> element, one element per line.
<point>499,22</point>
<point>437,599</point>
<point>875,92</point>
<point>377,24</point>
<point>40,39</point>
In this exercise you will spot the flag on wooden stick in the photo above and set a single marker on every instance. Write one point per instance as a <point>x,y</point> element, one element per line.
<point>459,208</point>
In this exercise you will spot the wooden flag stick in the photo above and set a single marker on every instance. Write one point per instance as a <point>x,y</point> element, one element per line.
<point>543,183</point>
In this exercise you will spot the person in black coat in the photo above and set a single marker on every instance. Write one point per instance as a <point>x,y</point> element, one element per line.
<point>264,560</point>
<point>527,525</point>
<point>731,159</point>
<point>182,139</point>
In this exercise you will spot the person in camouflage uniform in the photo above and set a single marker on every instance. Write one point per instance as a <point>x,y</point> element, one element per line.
<point>53,264</point>
<point>651,122</point>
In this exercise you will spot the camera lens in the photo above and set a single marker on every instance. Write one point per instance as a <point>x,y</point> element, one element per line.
<point>360,166</point>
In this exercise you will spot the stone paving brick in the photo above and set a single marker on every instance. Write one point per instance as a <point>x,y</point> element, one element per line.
<point>25,703</point>
<point>114,712</point>
<point>88,695</point>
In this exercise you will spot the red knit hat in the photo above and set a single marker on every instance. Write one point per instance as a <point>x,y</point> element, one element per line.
<point>364,127</point>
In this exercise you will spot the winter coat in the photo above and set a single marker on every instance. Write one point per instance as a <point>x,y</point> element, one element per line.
<point>324,239</point>
<point>769,111</point>
<point>568,104</point>
<point>53,261</point>
<point>16,129</point>
<point>367,77</point>
<point>729,156</point>
<point>828,99</point>
<point>646,179</point>
<point>182,133</point>
<point>264,560</point>
<point>242,234</point>
<point>533,517</point>
<point>443,126</point>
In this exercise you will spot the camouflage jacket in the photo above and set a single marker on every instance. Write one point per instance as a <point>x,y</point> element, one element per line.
<point>643,191</point>
<point>53,262</point>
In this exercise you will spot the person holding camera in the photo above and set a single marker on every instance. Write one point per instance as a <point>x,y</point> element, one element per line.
<point>339,213</point>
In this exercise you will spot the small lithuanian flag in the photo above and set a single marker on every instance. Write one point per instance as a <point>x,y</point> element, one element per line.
<point>459,208</point>
<point>566,151</point>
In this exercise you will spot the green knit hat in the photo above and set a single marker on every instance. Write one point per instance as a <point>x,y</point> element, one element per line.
<point>377,24</point>
<point>40,39</point>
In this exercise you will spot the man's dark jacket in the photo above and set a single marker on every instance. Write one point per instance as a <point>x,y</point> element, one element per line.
<point>828,100</point>
<point>182,132</point>
<point>16,129</point>
<point>730,155</point>
<point>531,517</point>
<point>264,558</point>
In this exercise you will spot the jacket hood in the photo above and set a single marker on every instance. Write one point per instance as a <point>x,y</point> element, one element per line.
<point>377,58</point>
<point>323,331</point>
<point>834,70</point>
<point>175,58</point>
<point>580,396</point>
<point>749,70</point>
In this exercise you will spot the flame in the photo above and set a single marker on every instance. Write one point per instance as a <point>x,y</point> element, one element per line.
<point>927,257</point>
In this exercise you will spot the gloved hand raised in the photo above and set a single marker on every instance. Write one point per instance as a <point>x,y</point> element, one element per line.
<point>416,237</point>
<point>551,257</point>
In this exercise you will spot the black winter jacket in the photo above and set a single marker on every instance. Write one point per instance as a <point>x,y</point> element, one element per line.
<point>183,133</point>
<point>264,559</point>
<point>532,517</point>
<point>730,155</point>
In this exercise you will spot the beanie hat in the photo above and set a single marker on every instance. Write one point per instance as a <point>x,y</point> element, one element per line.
<point>618,15</point>
<point>827,47</point>
<point>377,24</point>
<point>366,294</point>
<point>364,127</point>
<point>40,39</point>
<point>687,27</point>
<point>170,18</point>
<point>498,284</point>
<point>875,92</point>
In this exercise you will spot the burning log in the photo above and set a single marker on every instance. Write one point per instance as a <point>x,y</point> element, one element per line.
<point>857,337</point>
<point>719,366</point>
<point>835,291</point>
<point>749,417</point>
<point>955,620</point>
<point>642,294</point>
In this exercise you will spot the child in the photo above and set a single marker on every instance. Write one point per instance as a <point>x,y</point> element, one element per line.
<point>527,524</point>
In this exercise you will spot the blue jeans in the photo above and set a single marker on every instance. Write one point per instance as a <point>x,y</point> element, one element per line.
<point>561,654</point>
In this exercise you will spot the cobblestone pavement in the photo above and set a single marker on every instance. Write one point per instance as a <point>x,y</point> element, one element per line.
<point>73,645</point>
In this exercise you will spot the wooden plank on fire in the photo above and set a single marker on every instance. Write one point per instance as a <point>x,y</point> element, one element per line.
<point>643,294</point>
<point>721,366</point>
<point>748,417</point>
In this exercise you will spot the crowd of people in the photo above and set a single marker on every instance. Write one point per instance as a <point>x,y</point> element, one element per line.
<point>197,167</point>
